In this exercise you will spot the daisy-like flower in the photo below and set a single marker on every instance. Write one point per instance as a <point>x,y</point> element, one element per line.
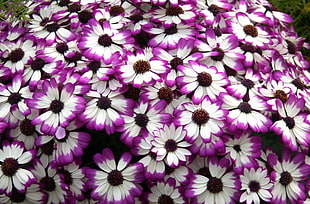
<point>104,110</point>
<point>288,175</point>
<point>115,183</point>
<point>246,114</point>
<point>169,145</point>
<point>256,185</point>
<point>201,119</point>
<point>140,69</point>
<point>100,41</point>
<point>13,174</point>
<point>165,192</point>
<point>220,185</point>
<point>202,81</point>
<point>60,108</point>
<point>294,124</point>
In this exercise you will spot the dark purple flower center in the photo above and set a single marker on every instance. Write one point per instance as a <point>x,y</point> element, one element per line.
<point>9,167</point>
<point>132,93</point>
<point>56,106</point>
<point>171,145</point>
<point>52,27</point>
<point>74,58</point>
<point>17,197</point>
<point>141,66</point>
<point>136,17</point>
<point>94,66</point>
<point>219,56</point>
<point>174,11</point>
<point>286,178</point>
<point>16,55</point>
<point>74,8</point>
<point>298,83</point>
<point>67,177</point>
<point>214,9</point>
<point>115,178</point>
<point>37,64</point>
<point>85,16</point>
<point>141,120</point>
<point>245,107</point>
<point>116,10</point>
<point>104,103</point>
<point>165,199</point>
<point>26,127</point>
<point>290,122</point>
<point>250,30</point>
<point>48,148</point>
<point>105,40</point>
<point>229,71</point>
<point>44,21</point>
<point>204,79</point>
<point>171,30</point>
<point>254,186</point>
<point>63,3</point>
<point>247,83</point>
<point>291,47</point>
<point>14,98</point>
<point>48,184</point>
<point>200,116</point>
<point>280,94</point>
<point>175,62</point>
<point>215,185</point>
<point>166,94</point>
<point>62,48</point>
<point>248,48</point>
<point>237,148</point>
<point>204,171</point>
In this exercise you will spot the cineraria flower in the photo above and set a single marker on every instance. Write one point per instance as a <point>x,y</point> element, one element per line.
<point>288,175</point>
<point>201,119</point>
<point>60,108</point>
<point>181,174</point>
<point>165,192</point>
<point>115,183</point>
<point>202,80</point>
<point>13,174</point>
<point>33,195</point>
<point>219,185</point>
<point>257,185</point>
<point>169,143</point>
<point>141,69</point>
<point>294,126</point>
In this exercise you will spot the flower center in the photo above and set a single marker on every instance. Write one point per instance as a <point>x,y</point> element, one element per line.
<point>47,148</point>
<point>62,48</point>
<point>165,199</point>
<point>37,64</point>
<point>104,103</point>
<point>52,27</point>
<point>174,11</point>
<point>16,55</point>
<point>26,127</point>
<point>171,145</point>
<point>14,98</point>
<point>74,58</point>
<point>141,120</point>
<point>247,83</point>
<point>286,178</point>
<point>248,48</point>
<point>204,79</point>
<point>48,184</point>
<point>291,47</point>
<point>237,148</point>
<point>245,107</point>
<point>105,40</point>
<point>280,94</point>
<point>116,10</point>
<point>214,9</point>
<point>56,106</point>
<point>214,185</point>
<point>63,3</point>
<point>166,94</point>
<point>250,30</point>
<point>200,117</point>
<point>171,30</point>
<point>175,62</point>
<point>254,186</point>
<point>219,56</point>
<point>9,167</point>
<point>74,8</point>
<point>17,197</point>
<point>141,66</point>
<point>298,83</point>
<point>132,93</point>
<point>290,122</point>
<point>67,178</point>
<point>94,66</point>
<point>205,172</point>
<point>85,16</point>
<point>136,18</point>
<point>115,178</point>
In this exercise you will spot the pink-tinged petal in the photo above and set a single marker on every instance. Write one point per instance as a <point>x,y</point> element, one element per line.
<point>26,157</point>
<point>243,19</point>
<point>124,161</point>
<point>282,17</point>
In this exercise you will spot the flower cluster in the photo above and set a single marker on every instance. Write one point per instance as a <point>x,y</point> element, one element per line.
<point>207,101</point>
